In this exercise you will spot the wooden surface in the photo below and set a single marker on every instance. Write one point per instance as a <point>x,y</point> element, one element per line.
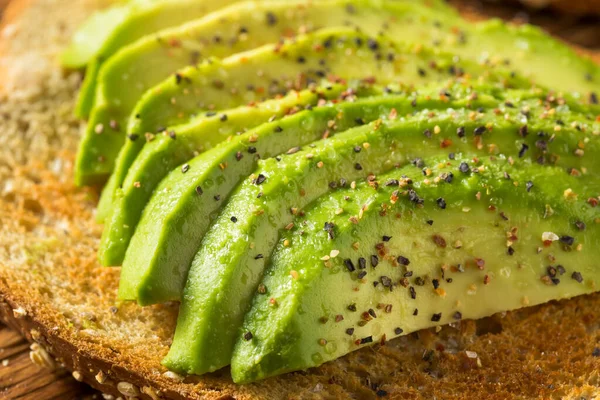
<point>21,379</point>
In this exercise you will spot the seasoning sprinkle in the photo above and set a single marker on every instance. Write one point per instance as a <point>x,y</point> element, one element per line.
<point>441,203</point>
<point>523,150</point>
<point>374,261</point>
<point>349,265</point>
<point>368,339</point>
<point>403,260</point>
<point>260,179</point>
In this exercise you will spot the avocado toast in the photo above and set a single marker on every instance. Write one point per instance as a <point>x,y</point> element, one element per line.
<point>344,385</point>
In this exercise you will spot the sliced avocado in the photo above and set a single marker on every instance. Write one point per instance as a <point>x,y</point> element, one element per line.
<point>346,55</point>
<point>109,30</point>
<point>222,33</point>
<point>136,68</point>
<point>179,144</point>
<point>538,56</point>
<point>404,252</point>
<point>188,199</point>
<point>92,34</point>
<point>239,243</point>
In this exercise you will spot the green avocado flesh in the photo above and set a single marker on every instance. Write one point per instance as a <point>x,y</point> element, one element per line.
<point>175,220</point>
<point>402,257</point>
<point>311,177</point>
<point>239,243</point>
<point>181,143</point>
<point>220,34</point>
<point>106,32</point>
<point>136,68</point>
<point>339,49</point>
<point>410,22</point>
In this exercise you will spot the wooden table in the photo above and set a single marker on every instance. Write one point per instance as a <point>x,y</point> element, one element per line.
<point>21,379</point>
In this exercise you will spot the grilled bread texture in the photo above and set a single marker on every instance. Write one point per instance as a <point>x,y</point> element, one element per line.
<point>53,290</point>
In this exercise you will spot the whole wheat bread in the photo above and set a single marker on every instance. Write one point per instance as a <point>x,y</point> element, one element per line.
<point>55,293</point>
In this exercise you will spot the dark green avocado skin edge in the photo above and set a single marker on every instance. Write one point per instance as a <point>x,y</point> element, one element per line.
<point>220,338</point>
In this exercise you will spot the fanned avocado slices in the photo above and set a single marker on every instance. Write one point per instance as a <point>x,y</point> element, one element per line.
<point>310,177</point>
<point>538,57</point>
<point>145,63</point>
<point>188,199</point>
<point>400,252</point>
<point>238,246</point>
<point>107,31</point>
<point>181,143</point>
<point>341,54</point>
<point>127,75</point>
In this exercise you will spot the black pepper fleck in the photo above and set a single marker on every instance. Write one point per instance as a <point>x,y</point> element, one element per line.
<point>349,265</point>
<point>441,203</point>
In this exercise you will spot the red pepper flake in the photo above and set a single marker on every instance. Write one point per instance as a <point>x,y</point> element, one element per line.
<point>480,262</point>
<point>439,241</point>
<point>383,340</point>
<point>592,201</point>
<point>445,143</point>
<point>486,279</point>
<point>174,42</point>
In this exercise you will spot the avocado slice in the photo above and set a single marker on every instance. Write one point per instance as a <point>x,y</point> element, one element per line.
<point>135,69</point>
<point>239,243</point>
<point>109,30</point>
<point>407,256</point>
<point>175,220</point>
<point>539,57</point>
<point>181,143</point>
<point>346,55</point>
<point>151,60</point>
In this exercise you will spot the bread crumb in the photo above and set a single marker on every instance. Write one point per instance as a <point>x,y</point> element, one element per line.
<point>100,377</point>
<point>40,357</point>
<point>19,312</point>
<point>128,389</point>
<point>155,395</point>
<point>174,376</point>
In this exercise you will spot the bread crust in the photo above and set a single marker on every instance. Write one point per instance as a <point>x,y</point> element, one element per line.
<point>54,292</point>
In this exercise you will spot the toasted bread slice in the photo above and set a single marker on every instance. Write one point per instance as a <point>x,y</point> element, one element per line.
<point>56,294</point>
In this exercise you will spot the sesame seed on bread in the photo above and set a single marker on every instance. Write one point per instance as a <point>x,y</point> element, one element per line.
<point>53,290</point>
